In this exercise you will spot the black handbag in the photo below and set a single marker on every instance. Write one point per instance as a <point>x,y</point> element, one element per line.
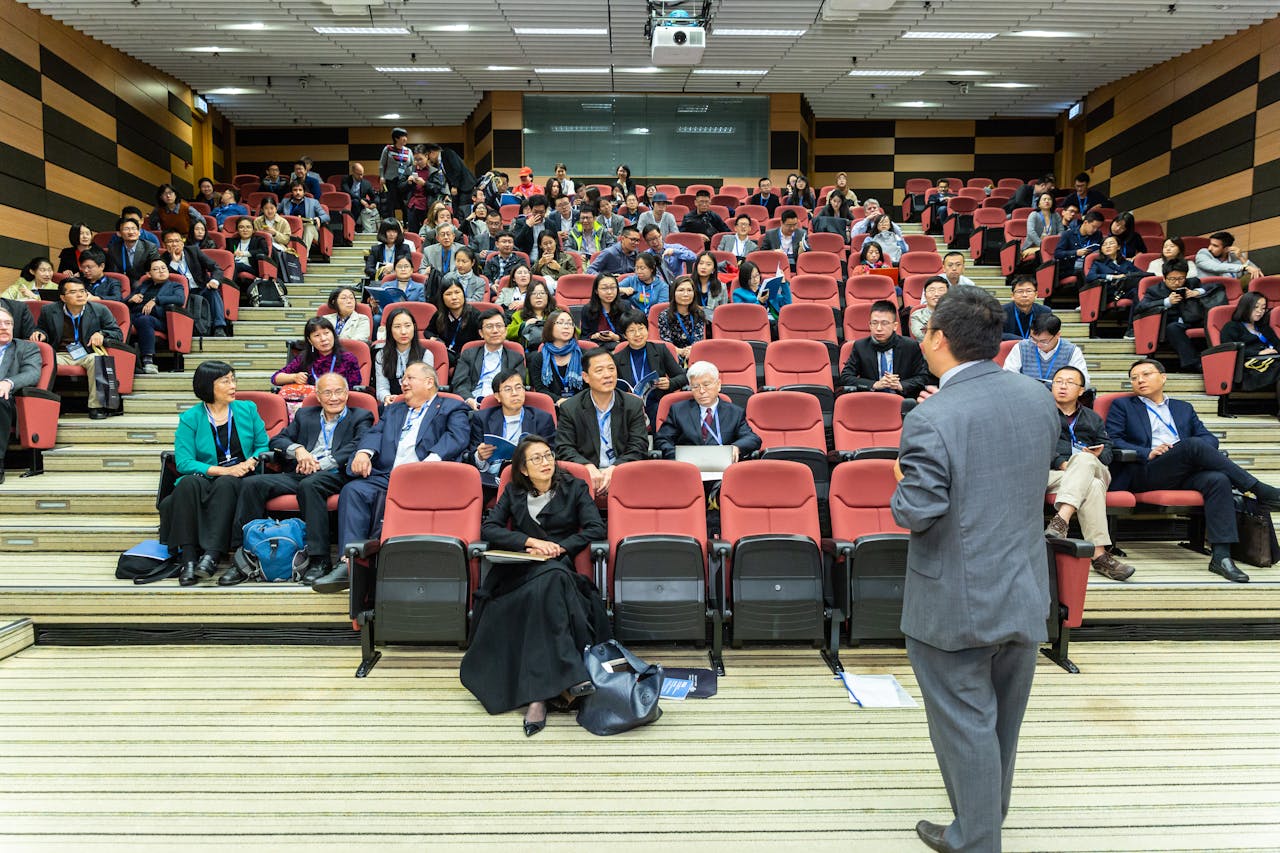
<point>627,690</point>
<point>106,381</point>
<point>1257,543</point>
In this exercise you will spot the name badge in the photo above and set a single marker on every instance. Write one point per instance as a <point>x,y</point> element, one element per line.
<point>610,455</point>
<point>76,351</point>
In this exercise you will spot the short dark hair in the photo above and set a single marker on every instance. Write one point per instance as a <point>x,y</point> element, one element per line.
<point>1176,265</point>
<point>240,219</point>
<point>504,233</point>
<point>592,354</point>
<point>397,132</point>
<point>1022,278</point>
<point>1223,237</point>
<point>465,250</point>
<point>205,180</point>
<point>884,306</point>
<point>649,258</point>
<point>633,318</point>
<point>1069,203</point>
<point>503,375</point>
<point>1094,216</point>
<point>1083,178</point>
<point>702,194</point>
<point>166,232</point>
<point>1076,370</point>
<point>787,216</point>
<point>122,220</point>
<point>297,182</point>
<point>487,314</point>
<point>538,199</point>
<point>430,146</point>
<point>1046,322</point>
<point>1151,361</point>
<point>207,373</point>
<point>389,225</point>
<point>649,228</point>
<point>93,253</point>
<point>950,254</point>
<point>934,280</point>
<point>630,228</point>
<point>740,217</point>
<point>972,321</point>
<point>519,479</point>
<point>130,209</point>
<point>73,234</point>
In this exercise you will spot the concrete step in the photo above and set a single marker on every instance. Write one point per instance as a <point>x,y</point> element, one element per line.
<point>75,534</point>
<point>59,493</point>
<point>89,458</point>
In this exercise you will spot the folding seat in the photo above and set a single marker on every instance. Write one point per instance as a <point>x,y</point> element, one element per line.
<point>692,242</point>
<point>414,584</point>
<point>988,235</point>
<point>323,310</point>
<point>254,200</point>
<point>534,399</point>
<point>670,190</point>
<point>1194,244</point>
<point>655,334</point>
<point>669,400</point>
<point>1149,228</point>
<point>509,212</point>
<point>790,425</point>
<point>833,243</point>
<point>342,222</point>
<point>742,321</point>
<point>913,291</point>
<point>868,289</point>
<point>817,290</point>
<point>770,224</point>
<point>1006,347</point>
<point>737,191</point>
<point>179,326</point>
<point>513,346</point>
<point>757,212</point>
<point>995,200</point>
<point>770,261</point>
<point>1015,232</point>
<point>857,324</point>
<point>919,263</point>
<point>1143,260</point>
<point>271,409</point>
<point>1047,273</point>
<point>1010,183</point>
<point>694,189</point>
<point>722,211</point>
<point>800,211</point>
<point>728,202</point>
<point>808,323</point>
<point>574,289</point>
<point>422,313</point>
<point>222,186</point>
<point>975,193</point>
<point>240,180</point>
<point>655,562</point>
<point>415,240</point>
<point>979,184</point>
<point>736,363</point>
<point>288,504</point>
<point>686,200</point>
<point>1267,285</point>
<point>959,225</point>
<point>867,426</point>
<point>820,263</point>
<point>724,257</point>
<point>36,417</point>
<point>773,582</point>
<point>1091,295</point>
<point>913,200</point>
<point>440,358</point>
<point>583,564</point>
<point>230,295</point>
<point>872,548</point>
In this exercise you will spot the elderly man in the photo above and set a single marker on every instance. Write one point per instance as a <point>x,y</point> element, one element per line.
<point>74,327</point>
<point>364,201</point>
<point>1079,475</point>
<point>601,427</point>
<point>440,254</point>
<point>422,427</point>
<point>885,360</point>
<point>312,214</point>
<point>587,236</point>
<point>19,368</point>
<point>316,447</point>
<point>706,419</point>
<point>873,211</point>
<point>1045,351</point>
<point>511,419</point>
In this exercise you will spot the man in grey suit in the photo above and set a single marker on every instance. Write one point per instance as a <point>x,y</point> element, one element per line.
<point>972,461</point>
<point>19,368</point>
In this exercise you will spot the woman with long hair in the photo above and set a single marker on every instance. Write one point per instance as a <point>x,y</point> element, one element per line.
<point>1173,249</point>
<point>1261,353</point>
<point>891,243</point>
<point>321,353</point>
<point>706,281</point>
<point>553,261</point>
<point>455,323</point>
<point>528,321</point>
<point>683,323</point>
<point>602,315</point>
<point>401,347</point>
<point>36,275</point>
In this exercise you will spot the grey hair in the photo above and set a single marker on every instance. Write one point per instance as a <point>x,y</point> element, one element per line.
<point>345,385</point>
<point>702,368</point>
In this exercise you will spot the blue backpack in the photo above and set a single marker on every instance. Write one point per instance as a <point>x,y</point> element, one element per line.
<point>274,550</point>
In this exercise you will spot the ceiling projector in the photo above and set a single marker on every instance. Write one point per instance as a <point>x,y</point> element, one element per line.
<point>677,45</point>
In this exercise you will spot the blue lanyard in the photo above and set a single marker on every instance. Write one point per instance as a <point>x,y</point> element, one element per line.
<point>643,291</point>
<point>75,322</point>
<point>326,436</point>
<point>640,374</point>
<point>337,327</point>
<point>412,418</point>
<point>1045,377</point>
<point>608,320</point>
<point>1071,428</point>
<point>602,418</point>
<point>333,363</point>
<point>453,341</point>
<point>687,331</point>
<point>1152,409</point>
<point>1259,336</point>
<point>713,430</point>
<point>224,453</point>
<point>1017,318</point>
<point>562,375</point>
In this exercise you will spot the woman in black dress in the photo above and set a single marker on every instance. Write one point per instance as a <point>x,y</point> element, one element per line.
<point>1249,326</point>
<point>532,620</point>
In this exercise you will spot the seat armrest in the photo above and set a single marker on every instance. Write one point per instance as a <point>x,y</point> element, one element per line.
<point>36,393</point>
<point>1071,547</point>
<point>364,550</point>
<point>768,388</point>
<point>1227,347</point>
<point>475,549</point>
<point>1125,455</point>
<point>848,389</point>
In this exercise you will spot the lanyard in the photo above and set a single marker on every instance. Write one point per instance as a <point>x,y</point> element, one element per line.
<point>886,362</point>
<point>606,437</point>
<point>1017,318</point>
<point>75,322</point>
<point>412,418</point>
<point>687,331</point>
<point>643,291</point>
<point>326,436</point>
<point>1260,336</point>
<point>1168,425</point>
<point>639,370</point>
<point>337,327</point>
<point>333,364</point>
<point>608,320</point>
<point>713,428</point>
<point>453,341</point>
<point>562,375</point>
<point>1045,377</point>
<point>224,453</point>
<point>1071,428</point>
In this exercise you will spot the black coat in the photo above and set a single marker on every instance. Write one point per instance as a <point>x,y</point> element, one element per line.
<point>96,319</point>
<point>683,426</point>
<point>403,249</point>
<point>470,364</point>
<point>259,248</point>
<point>862,370</point>
<point>659,360</point>
<point>305,430</point>
<point>578,431</point>
<point>1090,431</point>
<point>201,266</point>
<point>143,254</point>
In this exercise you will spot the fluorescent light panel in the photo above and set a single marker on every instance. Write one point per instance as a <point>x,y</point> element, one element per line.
<point>1050,34</point>
<point>211,49</point>
<point>391,116</point>
<point>914,104</point>
<point>720,31</point>
<point>571,71</point>
<point>884,72</point>
<point>1008,85</point>
<point>739,72</point>
<point>560,31</point>
<point>413,69</point>
<point>968,72</point>
<point>939,35</point>
<point>233,90</point>
<point>362,31</point>
<point>250,27</point>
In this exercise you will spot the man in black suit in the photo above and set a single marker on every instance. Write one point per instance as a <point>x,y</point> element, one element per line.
<point>1085,198</point>
<point>512,420</point>
<point>422,427</point>
<point>706,419</point>
<point>73,327</point>
<point>528,228</point>
<point>601,427</point>
<point>456,174</point>
<point>133,255</point>
<point>478,367</point>
<point>789,238</point>
<point>886,361</point>
<point>93,269</point>
<point>317,447</point>
<point>364,201</point>
<point>19,368</point>
<point>702,219</point>
<point>1171,295</point>
<point>204,277</point>
<point>1026,195</point>
<point>764,197</point>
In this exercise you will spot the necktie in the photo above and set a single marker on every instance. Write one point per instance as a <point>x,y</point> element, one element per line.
<point>706,426</point>
<point>444,259</point>
<point>884,363</point>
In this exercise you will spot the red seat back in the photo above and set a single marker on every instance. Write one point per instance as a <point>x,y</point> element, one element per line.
<point>271,409</point>
<point>1219,316</point>
<point>324,310</point>
<point>920,263</point>
<point>422,313</point>
<point>434,499</point>
<point>1268,286</point>
<point>758,212</point>
<point>861,490</point>
<point>692,242</point>
<point>733,358</point>
<point>857,322</point>
<point>767,496</point>
<point>867,420</point>
<point>355,400</point>
<point>823,242</point>
<point>802,213</point>
<point>787,419</point>
<point>805,321</point>
<point>868,288</point>
<point>820,263</point>
<point>657,496</point>
<point>574,289</point>
<point>917,186</point>
<point>770,261</point>
<point>817,289</point>
<point>533,399</point>
<point>741,321</point>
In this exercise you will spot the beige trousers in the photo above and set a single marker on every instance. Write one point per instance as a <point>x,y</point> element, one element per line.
<point>90,364</point>
<point>1084,486</point>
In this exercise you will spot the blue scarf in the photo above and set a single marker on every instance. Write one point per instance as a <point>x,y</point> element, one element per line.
<point>573,371</point>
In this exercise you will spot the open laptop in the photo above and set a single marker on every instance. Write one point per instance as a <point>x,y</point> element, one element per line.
<point>711,460</point>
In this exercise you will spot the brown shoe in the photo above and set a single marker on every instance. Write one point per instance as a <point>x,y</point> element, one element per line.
<point>1109,567</point>
<point>1057,528</point>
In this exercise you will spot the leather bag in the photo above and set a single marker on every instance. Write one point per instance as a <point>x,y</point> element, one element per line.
<point>627,690</point>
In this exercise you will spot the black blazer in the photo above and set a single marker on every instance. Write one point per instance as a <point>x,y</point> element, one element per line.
<point>862,370</point>
<point>201,266</point>
<point>259,249</point>
<point>1089,431</point>
<point>305,430</point>
<point>1157,293</point>
<point>491,422</point>
<point>659,360</point>
<point>359,191</point>
<point>67,261</point>
<point>377,252</point>
<point>470,363</point>
<point>143,254</point>
<point>570,518</point>
<point>684,426</point>
<point>768,201</point>
<point>578,431</point>
<point>96,319</point>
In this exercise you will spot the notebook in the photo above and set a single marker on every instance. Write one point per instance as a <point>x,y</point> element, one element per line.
<point>710,459</point>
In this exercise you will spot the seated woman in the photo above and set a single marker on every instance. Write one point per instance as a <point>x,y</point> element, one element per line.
<point>35,276</point>
<point>402,346</point>
<point>172,212</point>
<point>247,248</point>
<point>649,368</point>
<point>644,288</point>
<point>683,324</point>
<point>630,209</point>
<point>402,279</point>
<point>79,238</point>
<point>837,207</point>
<point>512,295</point>
<point>216,444</point>
<point>556,368</point>
<point>1113,268</point>
<point>1124,230</point>
<point>934,289</point>
<point>199,237</point>
<point>533,619</point>
<point>389,248</point>
<point>1261,354</point>
<point>553,261</point>
<point>229,206</point>
<point>323,353</point>
<point>871,258</point>
<point>1173,250</point>
<point>528,321</point>
<point>800,194</point>
<point>153,293</point>
<point>891,243</point>
<point>750,289</point>
<point>464,273</point>
<point>602,315</point>
<point>706,280</point>
<point>348,323</point>
<point>270,220</point>
<point>455,323</point>
<point>1042,222</point>
<point>438,215</point>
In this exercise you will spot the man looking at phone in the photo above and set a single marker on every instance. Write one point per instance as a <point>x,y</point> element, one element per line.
<point>1079,476</point>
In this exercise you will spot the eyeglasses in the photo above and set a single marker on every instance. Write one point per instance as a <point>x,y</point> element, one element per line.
<point>1065,383</point>
<point>880,324</point>
<point>74,291</point>
<point>702,386</point>
<point>332,392</point>
<point>540,458</point>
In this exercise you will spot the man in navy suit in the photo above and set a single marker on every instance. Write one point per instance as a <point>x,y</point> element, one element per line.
<point>476,375</point>
<point>1175,451</point>
<point>423,427</point>
<point>512,420</point>
<point>706,419</point>
<point>318,446</point>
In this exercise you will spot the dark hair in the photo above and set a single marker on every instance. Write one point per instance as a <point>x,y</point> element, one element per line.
<point>332,301</point>
<point>1076,370</point>
<point>1175,265</point>
<point>972,321</point>
<point>558,194</point>
<point>390,225</point>
<point>416,350</point>
<point>204,180</point>
<point>624,167</point>
<point>591,355</point>
<point>235,194</point>
<point>240,219</point>
<point>884,306</point>
<point>166,232</point>
<point>695,310</point>
<point>1182,247</point>
<point>549,323</point>
<point>520,481</point>
<point>1048,178</point>
<point>93,253</point>
<point>130,209</point>
<point>268,199</point>
<point>503,375</point>
<point>73,234</point>
<point>29,270</point>
<point>537,199</point>
<point>504,233</point>
<point>702,194</point>
<point>744,273</point>
<point>120,223</point>
<point>488,314</point>
<point>428,147</point>
<point>595,308</point>
<point>1046,322</point>
<point>1083,177</point>
<point>309,353</point>
<point>550,235</point>
<point>1244,308</point>
<point>1151,361</point>
<point>740,217</point>
<point>633,318</point>
<point>1022,278</point>
<point>207,373</point>
<point>297,182</point>
<point>1223,237</point>
<point>1070,203</point>
<point>934,280</point>
<point>713,286</point>
<point>1094,216</point>
<point>440,321</point>
<point>650,260</point>
<point>630,228</point>
<point>787,216</point>
<point>467,250</point>
<point>949,254</point>
<point>649,229</point>
<point>1041,196</point>
<point>397,132</point>
<point>551,298</point>
<point>1125,219</point>
<point>160,193</point>
<point>867,245</point>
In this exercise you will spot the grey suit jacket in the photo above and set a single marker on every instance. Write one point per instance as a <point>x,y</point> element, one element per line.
<point>433,256</point>
<point>973,459</point>
<point>21,364</point>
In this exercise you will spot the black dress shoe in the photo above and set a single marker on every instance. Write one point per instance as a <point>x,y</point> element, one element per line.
<point>531,729</point>
<point>232,576</point>
<point>931,834</point>
<point>335,581</point>
<point>1228,569</point>
<point>97,414</point>
<point>207,566</point>
<point>187,576</point>
<point>319,566</point>
<point>1,474</point>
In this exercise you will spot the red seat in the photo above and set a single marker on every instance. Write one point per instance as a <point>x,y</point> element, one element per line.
<point>824,242</point>
<point>692,242</point>
<point>803,365</point>
<point>694,189</point>
<point>801,212</point>
<point>422,313</point>
<point>574,289</point>
<point>1047,272</point>
<point>685,200</point>
<point>1223,364</point>
<point>534,399</point>
<point>920,243</point>
<point>758,212</point>
<point>785,419</point>
<point>1268,286</point>
<point>1149,228</point>
<point>817,289</point>
<point>656,579</point>
<point>988,235</point>
<point>913,290</point>
<point>341,220</point>
<point>872,547</point>
<point>806,321</point>
<point>669,190</point>
<point>741,321</point>
<point>959,225</point>
<point>820,263</point>
<point>1010,183</point>
<point>919,263</point>
<point>37,409</point>
<point>867,425</point>
<point>669,400</point>
<point>440,358</point>
<point>254,201</point>
<point>737,191</point>
<point>1192,245</point>
<point>271,409</point>
<point>857,324</point>
<point>913,199</point>
<point>720,210</point>
<point>869,288</point>
<point>230,295</point>
<point>770,261</point>
<point>355,400</point>
<point>736,362</point>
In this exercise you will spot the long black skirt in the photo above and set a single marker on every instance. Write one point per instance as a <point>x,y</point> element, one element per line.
<point>531,624</point>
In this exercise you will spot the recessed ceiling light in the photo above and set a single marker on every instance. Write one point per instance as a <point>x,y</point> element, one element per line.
<point>233,90</point>
<point>1050,34</point>
<point>211,49</point>
<point>391,115</point>
<point>648,69</point>
<point>413,69</point>
<point>718,31</point>
<point>452,28</point>
<point>718,129</point>
<point>969,72</point>
<point>560,31</point>
<point>639,131</point>
<point>914,104</point>
<point>743,72</point>
<point>571,71</point>
<point>962,36</point>
<point>255,25</point>
<point>1008,85</point>
<point>884,72</point>
<point>501,68</point>
<point>580,128</point>
<point>362,31</point>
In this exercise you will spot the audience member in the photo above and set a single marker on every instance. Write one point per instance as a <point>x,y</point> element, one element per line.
<point>504,258</point>
<point>1184,308</point>
<point>873,211</point>
<point>649,369</point>
<point>1261,354</point>
<point>711,291</point>
<point>150,297</point>
<point>870,258</point>
<point>891,242</point>
<point>172,212</point>
<point>801,194</point>
<point>842,186</point>
<point>479,366</point>
<point>1118,276</point>
<point>885,360</point>
<point>528,320</point>
<point>526,229</point>
<point>1042,222</point>
<point>588,236</point>
<point>270,220</point>
<point>675,258</point>
<point>309,210</point>
<point>644,287</point>
<point>131,255</point>
<point>702,219</point>
<point>566,183</point>
<point>200,238</point>
<point>934,289</point>
<point>602,315</point>
<point>619,258</point>
<point>1044,352</point>
<point>93,268</point>
<point>348,323</point>
<point>526,187</point>
<point>936,200</point>
<point>79,239</point>
<point>553,261</point>
<point>630,209</point>
<point>1224,259</point>
<point>389,248</point>
<point>1086,199</point>
<point>623,184</point>
<point>203,275</point>
<point>364,201</point>
<point>228,205</point>
<point>706,419</point>
<point>272,182</point>
<point>513,289</point>
<point>788,238</point>
<point>511,419</point>
<point>953,269</point>
<point>456,322</point>
<point>560,220</point>
<point>401,338</point>
<point>321,353</point>
<point>456,177</point>
<point>555,369</point>
<point>1172,249</point>
<point>764,197</point>
<point>739,243</point>
<point>1027,194</point>
<point>1077,243</point>
<point>1124,229</point>
<point>659,216</point>
<point>601,427</point>
<point>206,195</point>
<point>683,323</point>
<point>463,273</point>
<point>442,254</point>
<point>310,181</point>
<point>1019,313</point>
<point>36,275</point>
<point>437,214</point>
<point>20,365</point>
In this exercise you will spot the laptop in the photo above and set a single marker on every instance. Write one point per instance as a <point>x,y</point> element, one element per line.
<point>711,460</point>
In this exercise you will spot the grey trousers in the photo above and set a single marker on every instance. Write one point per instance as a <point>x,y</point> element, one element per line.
<point>974,700</point>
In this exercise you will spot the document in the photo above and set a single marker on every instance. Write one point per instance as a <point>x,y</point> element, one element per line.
<point>876,691</point>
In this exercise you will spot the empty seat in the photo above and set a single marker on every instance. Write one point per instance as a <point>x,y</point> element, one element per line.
<point>802,365</point>
<point>817,289</point>
<point>988,235</point>
<point>807,321</point>
<point>271,408</point>
<point>919,263</point>
<point>820,263</point>
<point>869,288</point>
<point>959,225</point>
<point>692,242</point>
<point>37,408</point>
<point>833,243</point>
<point>867,425</point>
<point>574,289</point>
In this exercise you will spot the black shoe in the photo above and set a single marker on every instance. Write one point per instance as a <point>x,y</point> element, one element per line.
<point>335,581</point>
<point>319,566</point>
<point>98,414</point>
<point>1267,495</point>
<point>1,473</point>
<point>220,332</point>
<point>206,567</point>
<point>232,576</point>
<point>531,729</point>
<point>187,576</point>
<point>931,834</point>
<point>1228,569</point>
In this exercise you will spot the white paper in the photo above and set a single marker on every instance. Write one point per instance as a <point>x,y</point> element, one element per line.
<point>876,691</point>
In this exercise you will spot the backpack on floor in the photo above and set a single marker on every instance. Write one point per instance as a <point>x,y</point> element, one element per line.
<point>274,550</point>
<point>266,293</point>
<point>201,317</point>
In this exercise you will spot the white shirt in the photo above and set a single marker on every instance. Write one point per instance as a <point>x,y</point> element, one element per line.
<point>407,449</point>
<point>1013,362</point>
<point>1160,432</point>
<point>606,436</point>
<point>490,364</point>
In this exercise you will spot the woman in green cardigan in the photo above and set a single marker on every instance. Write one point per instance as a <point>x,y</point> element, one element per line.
<point>217,443</point>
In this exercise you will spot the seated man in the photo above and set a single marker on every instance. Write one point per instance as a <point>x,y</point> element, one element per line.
<point>19,368</point>
<point>739,243</point>
<point>504,258</point>
<point>1026,195</point>
<point>272,182</point>
<point>601,427</point>
<point>512,420</point>
<point>1177,300</point>
<point>620,258</point>
<point>937,200</point>
<point>764,197</point>
<point>422,427</point>
<point>526,229</point>
<point>706,419</point>
<point>872,212</point>
<point>301,174</point>
<point>134,213</point>
<point>133,255</point>
<point>440,255</point>
<point>587,236</point>
<point>788,237</point>
<point>318,445</point>
<point>24,325</point>
<point>478,367</point>
<point>93,268</point>
<point>204,277</point>
<point>153,294</point>
<point>364,201</point>
<point>560,220</point>
<point>658,216</point>
<point>1085,198</point>
<point>674,257</point>
<point>953,269</point>
<point>702,219</point>
<point>1175,451</point>
<point>1045,352</point>
<point>1019,313</point>
<point>74,326</point>
<point>886,361</point>
<point>1223,258</point>
<point>312,214</point>
<point>1079,475</point>
<point>1078,243</point>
